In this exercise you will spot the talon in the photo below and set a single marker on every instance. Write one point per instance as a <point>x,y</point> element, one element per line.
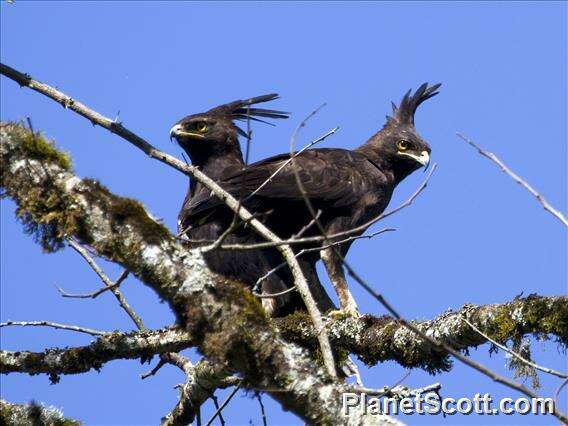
<point>342,313</point>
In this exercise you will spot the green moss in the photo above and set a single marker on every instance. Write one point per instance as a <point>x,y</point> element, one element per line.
<point>37,147</point>
<point>530,315</point>
<point>48,215</point>
<point>126,211</point>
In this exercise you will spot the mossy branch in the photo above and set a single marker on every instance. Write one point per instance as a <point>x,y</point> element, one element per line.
<point>378,339</point>
<point>231,329</point>
<point>110,347</point>
<point>33,414</point>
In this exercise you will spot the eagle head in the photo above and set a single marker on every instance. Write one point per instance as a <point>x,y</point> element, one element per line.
<point>398,146</point>
<point>215,130</point>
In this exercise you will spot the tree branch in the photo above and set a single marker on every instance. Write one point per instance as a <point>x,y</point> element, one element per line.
<point>33,414</point>
<point>231,327</point>
<point>378,339</point>
<point>202,381</point>
<point>118,129</point>
<point>56,325</point>
<point>110,347</point>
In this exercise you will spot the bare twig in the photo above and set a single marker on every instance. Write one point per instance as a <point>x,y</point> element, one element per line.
<point>262,411</point>
<point>352,231</point>
<point>228,199</point>
<point>78,329</point>
<point>515,354</point>
<point>292,156</point>
<point>223,405</point>
<point>154,370</point>
<point>107,282</point>
<point>97,293</point>
<point>560,216</point>
<point>216,403</point>
<point>303,251</point>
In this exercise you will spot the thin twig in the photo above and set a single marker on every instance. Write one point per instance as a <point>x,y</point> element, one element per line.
<point>78,329</point>
<point>517,179</point>
<point>515,354</point>
<point>292,156</point>
<point>223,405</point>
<point>107,282</point>
<point>97,293</point>
<point>154,370</point>
<point>235,223</point>
<point>308,250</point>
<point>262,411</point>
<point>216,403</point>
<point>351,231</point>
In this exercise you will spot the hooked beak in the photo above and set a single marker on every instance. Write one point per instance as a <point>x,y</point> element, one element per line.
<point>423,158</point>
<point>177,131</point>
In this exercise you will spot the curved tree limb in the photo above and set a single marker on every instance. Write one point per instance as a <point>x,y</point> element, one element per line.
<point>233,330</point>
<point>235,205</point>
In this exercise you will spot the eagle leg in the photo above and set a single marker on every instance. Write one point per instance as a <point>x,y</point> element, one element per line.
<point>334,268</point>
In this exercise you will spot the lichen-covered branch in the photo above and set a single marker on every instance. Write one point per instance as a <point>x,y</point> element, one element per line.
<point>377,339</point>
<point>202,381</point>
<point>231,327</point>
<point>231,202</point>
<point>33,414</point>
<point>109,347</point>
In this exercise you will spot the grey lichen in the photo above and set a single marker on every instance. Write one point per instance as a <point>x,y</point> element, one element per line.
<point>33,414</point>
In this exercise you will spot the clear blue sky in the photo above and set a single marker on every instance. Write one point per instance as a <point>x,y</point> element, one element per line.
<point>473,236</point>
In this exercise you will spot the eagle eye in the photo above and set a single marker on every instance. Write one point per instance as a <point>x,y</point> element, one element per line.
<point>402,145</point>
<point>202,127</point>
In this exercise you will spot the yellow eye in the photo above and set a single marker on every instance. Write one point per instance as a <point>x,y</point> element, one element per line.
<point>402,145</point>
<point>201,127</point>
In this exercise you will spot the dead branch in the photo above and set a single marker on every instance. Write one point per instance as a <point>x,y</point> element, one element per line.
<point>108,283</point>
<point>97,293</point>
<point>55,325</point>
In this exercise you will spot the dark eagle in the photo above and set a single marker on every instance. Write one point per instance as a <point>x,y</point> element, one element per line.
<point>211,139</point>
<point>349,187</point>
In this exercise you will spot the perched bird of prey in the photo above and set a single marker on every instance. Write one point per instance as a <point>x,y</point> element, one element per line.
<point>349,187</point>
<point>211,139</point>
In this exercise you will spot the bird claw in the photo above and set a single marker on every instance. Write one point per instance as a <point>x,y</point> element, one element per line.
<point>343,313</point>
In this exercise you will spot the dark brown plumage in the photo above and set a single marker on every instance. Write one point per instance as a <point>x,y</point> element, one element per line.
<point>211,141</point>
<point>350,187</point>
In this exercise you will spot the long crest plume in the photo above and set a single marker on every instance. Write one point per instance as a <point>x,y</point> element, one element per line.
<point>404,113</point>
<point>241,110</point>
